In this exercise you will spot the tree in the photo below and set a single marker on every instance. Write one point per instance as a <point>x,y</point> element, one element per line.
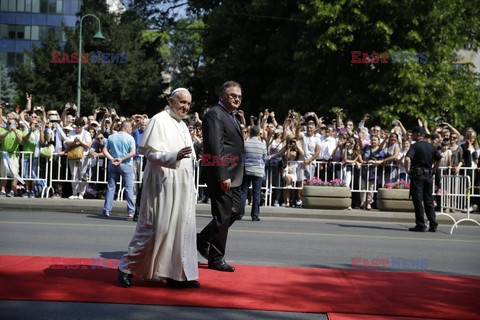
<point>7,86</point>
<point>298,54</point>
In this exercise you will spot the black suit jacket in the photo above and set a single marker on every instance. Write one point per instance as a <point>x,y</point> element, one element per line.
<point>222,147</point>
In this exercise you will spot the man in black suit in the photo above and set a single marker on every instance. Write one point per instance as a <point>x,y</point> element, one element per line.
<point>224,171</point>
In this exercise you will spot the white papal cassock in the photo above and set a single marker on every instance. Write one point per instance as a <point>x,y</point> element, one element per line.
<point>164,244</point>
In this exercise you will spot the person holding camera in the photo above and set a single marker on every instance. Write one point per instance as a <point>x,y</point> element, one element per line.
<point>32,142</point>
<point>10,138</point>
<point>421,162</point>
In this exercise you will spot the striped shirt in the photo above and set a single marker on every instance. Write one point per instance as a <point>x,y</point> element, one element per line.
<point>254,158</point>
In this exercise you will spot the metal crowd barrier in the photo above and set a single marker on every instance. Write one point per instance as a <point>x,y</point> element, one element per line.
<point>457,197</point>
<point>25,167</point>
<point>365,178</point>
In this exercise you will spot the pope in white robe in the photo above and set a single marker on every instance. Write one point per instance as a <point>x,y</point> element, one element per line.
<point>164,244</point>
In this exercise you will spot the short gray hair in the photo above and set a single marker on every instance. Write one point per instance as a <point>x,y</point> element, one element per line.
<point>229,84</point>
<point>254,131</point>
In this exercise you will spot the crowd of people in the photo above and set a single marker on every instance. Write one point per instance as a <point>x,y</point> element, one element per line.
<point>298,148</point>
<point>234,153</point>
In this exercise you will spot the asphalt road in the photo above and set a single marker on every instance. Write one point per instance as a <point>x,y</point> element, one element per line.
<point>272,241</point>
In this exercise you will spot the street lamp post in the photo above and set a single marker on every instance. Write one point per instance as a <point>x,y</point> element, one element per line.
<point>97,35</point>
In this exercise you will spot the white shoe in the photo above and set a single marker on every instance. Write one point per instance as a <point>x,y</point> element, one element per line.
<point>73,197</point>
<point>299,204</point>
<point>80,197</point>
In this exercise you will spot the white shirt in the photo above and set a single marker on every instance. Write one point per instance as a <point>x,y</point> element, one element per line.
<point>327,146</point>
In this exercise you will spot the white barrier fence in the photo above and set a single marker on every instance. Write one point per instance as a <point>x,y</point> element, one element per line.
<point>457,198</point>
<point>362,179</point>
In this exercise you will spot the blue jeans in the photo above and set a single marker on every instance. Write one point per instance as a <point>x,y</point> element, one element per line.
<point>256,191</point>
<point>114,172</point>
<point>30,172</point>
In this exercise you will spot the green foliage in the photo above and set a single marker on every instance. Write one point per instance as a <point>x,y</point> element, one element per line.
<point>8,88</point>
<point>297,54</point>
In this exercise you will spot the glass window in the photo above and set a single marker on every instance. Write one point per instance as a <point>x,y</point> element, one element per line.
<point>20,32</point>
<point>51,6</point>
<point>4,5</point>
<point>20,5</point>
<point>36,6</point>
<point>43,6</point>
<point>75,6</point>
<point>28,5</point>
<point>58,34</point>
<point>19,57</point>
<point>42,32</point>
<point>12,5</point>
<point>35,33</point>
<point>27,32</point>
<point>11,32</point>
<point>3,31</point>
<point>59,6</point>
<point>10,59</point>
<point>3,58</point>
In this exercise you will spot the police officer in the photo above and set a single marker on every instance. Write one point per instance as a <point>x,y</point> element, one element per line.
<point>421,161</point>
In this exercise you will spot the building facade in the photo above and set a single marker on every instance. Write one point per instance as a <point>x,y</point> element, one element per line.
<point>25,23</point>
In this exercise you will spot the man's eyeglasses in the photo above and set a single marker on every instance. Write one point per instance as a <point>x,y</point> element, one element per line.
<point>235,96</point>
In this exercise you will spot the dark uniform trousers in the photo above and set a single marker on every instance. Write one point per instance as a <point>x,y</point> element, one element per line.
<point>421,187</point>
<point>226,208</point>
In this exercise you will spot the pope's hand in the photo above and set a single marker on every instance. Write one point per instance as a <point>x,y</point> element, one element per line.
<point>184,153</point>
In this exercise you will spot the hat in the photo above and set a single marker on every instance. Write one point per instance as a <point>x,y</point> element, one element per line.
<point>68,128</point>
<point>95,123</point>
<point>278,131</point>
<point>418,129</point>
<point>53,117</point>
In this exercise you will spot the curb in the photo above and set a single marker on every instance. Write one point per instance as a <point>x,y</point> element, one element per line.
<point>95,206</point>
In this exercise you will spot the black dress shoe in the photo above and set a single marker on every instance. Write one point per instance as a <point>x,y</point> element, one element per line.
<point>239,217</point>
<point>182,284</point>
<point>417,229</point>
<point>255,219</point>
<point>432,229</point>
<point>135,217</point>
<point>202,247</point>
<point>124,279</point>
<point>220,265</point>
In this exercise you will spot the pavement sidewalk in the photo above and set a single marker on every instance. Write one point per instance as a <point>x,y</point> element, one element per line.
<point>119,209</point>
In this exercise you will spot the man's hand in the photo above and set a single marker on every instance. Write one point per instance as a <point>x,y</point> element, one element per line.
<point>225,185</point>
<point>184,153</point>
<point>116,162</point>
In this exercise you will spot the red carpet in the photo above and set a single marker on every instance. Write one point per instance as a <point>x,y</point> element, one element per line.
<point>339,292</point>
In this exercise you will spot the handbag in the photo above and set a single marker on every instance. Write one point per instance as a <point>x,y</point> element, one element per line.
<point>75,153</point>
